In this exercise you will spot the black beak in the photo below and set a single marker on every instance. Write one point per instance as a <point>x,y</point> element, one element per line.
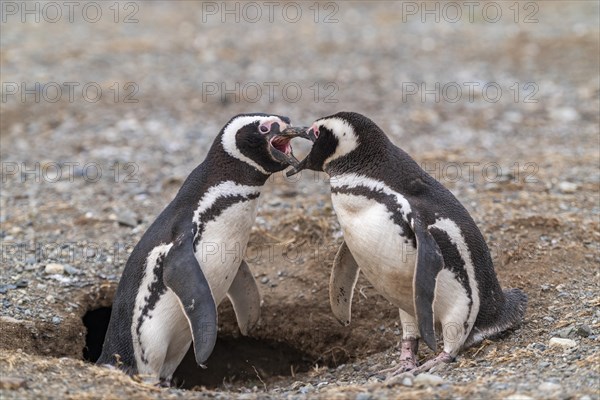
<point>297,131</point>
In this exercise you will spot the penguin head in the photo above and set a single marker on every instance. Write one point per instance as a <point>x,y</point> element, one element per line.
<point>261,140</point>
<point>336,136</point>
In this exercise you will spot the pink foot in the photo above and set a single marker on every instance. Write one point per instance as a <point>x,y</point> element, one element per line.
<point>443,357</point>
<point>408,358</point>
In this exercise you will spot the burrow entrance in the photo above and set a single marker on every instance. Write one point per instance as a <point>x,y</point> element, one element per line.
<point>234,360</point>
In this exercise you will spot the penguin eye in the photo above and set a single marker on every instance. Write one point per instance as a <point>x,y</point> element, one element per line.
<point>264,128</point>
<point>316,132</point>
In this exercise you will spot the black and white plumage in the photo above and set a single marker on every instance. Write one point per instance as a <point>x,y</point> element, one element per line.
<point>191,257</point>
<point>412,239</point>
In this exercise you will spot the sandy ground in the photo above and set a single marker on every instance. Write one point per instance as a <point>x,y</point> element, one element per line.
<point>82,178</point>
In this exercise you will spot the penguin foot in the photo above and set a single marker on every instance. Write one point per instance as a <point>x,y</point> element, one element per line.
<point>165,383</point>
<point>408,358</point>
<point>443,357</point>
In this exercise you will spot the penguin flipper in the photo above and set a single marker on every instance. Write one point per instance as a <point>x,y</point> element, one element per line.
<point>429,263</point>
<point>245,298</point>
<point>344,275</point>
<point>183,275</point>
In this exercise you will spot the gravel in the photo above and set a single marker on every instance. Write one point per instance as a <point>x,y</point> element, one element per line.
<point>529,174</point>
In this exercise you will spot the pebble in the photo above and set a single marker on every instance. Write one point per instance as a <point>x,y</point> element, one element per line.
<point>404,379</point>
<point>363,396</point>
<point>567,187</point>
<point>307,388</point>
<point>127,218</point>
<point>560,342</point>
<point>428,380</point>
<point>264,279</point>
<point>518,396</point>
<point>566,332</point>
<point>53,269</point>
<point>12,383</point>
<point>56,320</point>
<point>584,331</point>
<point>71,270</point>
<point>549,387</point>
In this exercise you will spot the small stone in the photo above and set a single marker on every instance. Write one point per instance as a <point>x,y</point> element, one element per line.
<point>56,320</point>
<point>428,380</point>
<point>583,330</point>
<point>549,387</point>
<point>564,114</point>
<point>71,270</point>
<point>518,396</point>
<point>567,187</point>
<point>363,396</point>
<point>50,298</point>
<point>539,346</point>
<point>560,342</point>
<point>21,284</point>
<point>569,331</point>
<point>264,280</point>
<point>548,319</point>
<point>127,218</point>
<point>53,269</point>
<point>12,383</point>
<point>307,388</point>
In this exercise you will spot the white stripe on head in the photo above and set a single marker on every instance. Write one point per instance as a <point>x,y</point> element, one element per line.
<point>231,129</point>
<point>344,132</point>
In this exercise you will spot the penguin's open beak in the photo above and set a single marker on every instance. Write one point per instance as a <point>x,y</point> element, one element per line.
<point>306,133</point>
<point>279,144</point>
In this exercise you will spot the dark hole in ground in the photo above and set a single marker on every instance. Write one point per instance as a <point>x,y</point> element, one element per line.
<point>241,359</point>
<point>96,323</point>
<point>234,359</point>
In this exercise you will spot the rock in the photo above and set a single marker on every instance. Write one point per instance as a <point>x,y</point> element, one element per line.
<point>6,288</point>
<point>404,379</point>
<point>363,396</point>
<point>428,380</point>
<point>12,383</point>
<point>584,331</point>
<point>53,269</point>
<point>264,280</point>
<point>71,270</point>
<point>564,114</point>
<point>307,388</point>
<point>127,218</point>
<point>21,284</point>
<point>56,320</point>
<point>567,187</point>
<point>549,387</point>
<point>518,396</point>
<point>567,332</point>
<point>564,343</point>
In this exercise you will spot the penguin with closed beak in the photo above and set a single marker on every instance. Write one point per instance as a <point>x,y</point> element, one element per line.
<point>191,257</point>
<point>412,239</point>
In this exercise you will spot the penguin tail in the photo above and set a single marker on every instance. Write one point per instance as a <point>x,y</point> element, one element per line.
<point>514,309</point>
<point>509,317</point>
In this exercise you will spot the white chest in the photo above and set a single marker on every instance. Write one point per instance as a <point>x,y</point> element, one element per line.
<point>383,253</point>
<point>223,244</point>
